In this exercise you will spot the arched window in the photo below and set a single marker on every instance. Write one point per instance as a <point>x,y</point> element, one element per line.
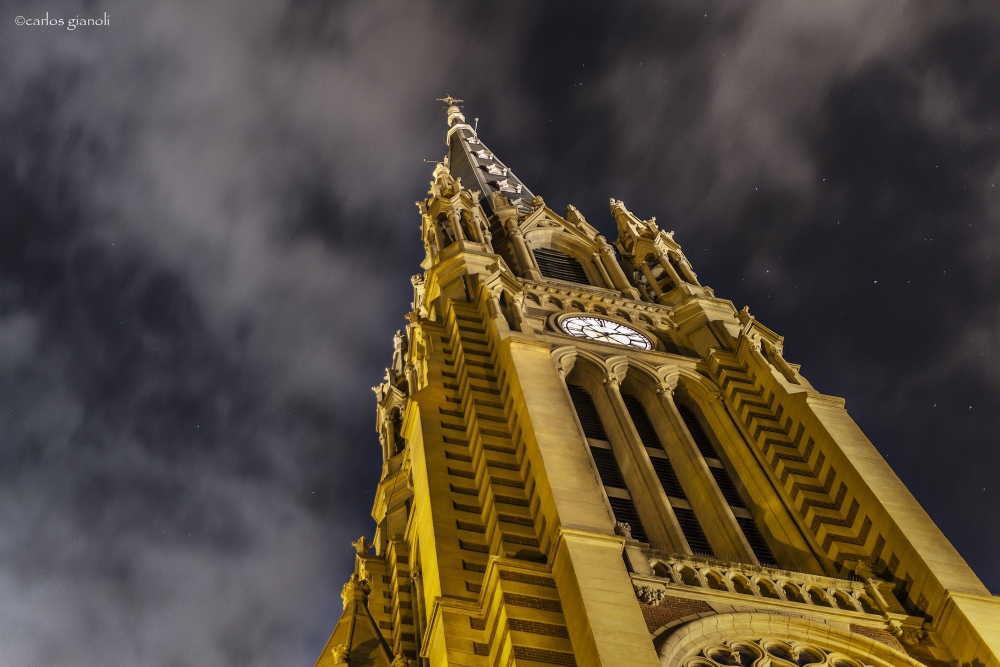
<point>560,266</point>
<point>688,522</point>
<point>729,491</point>
<point>607,467</point>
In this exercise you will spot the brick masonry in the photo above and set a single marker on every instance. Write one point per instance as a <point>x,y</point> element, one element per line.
<point>671,609</point>
<point>537,628</point>
<point>532,602</point>
<point>536,580</point>
<point>879,636</point>
<point>542,655</point>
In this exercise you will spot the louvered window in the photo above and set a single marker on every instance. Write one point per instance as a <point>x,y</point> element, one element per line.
<point>665,473</point>
<point>701,439</point>
<point>727,487</point>
<point>757,542</point>
<point>729,491</point>
<point>668,478</point>
<point>607,467</point>
<point>587,412</point>
<point>692,532</point>
<point>555,264</point>
<point>625,512</point>
<point>647,434</point>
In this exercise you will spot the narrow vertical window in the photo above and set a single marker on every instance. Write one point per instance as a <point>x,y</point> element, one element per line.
<point>607,466</point>
<point>693,533</point>
<point>725,483</point>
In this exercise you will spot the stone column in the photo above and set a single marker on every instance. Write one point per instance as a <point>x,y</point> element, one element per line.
<point>652,281</point>
<point>456,225</point>
<point>390,436</point>
<point>692,276</point>
<point>596,257</point>
<point>614,269</point>
<point>644,486</point>
<point>521,250</point>
<point>439,237</point>
<point>664,260</point>
<point>707,501</point>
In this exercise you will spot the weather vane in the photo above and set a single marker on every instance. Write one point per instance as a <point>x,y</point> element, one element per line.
<point>449,100</point>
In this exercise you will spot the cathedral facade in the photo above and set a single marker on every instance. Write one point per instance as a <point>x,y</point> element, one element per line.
<point>591,459</point>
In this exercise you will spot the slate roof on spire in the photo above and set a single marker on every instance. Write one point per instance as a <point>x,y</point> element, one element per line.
<point>479,169</point>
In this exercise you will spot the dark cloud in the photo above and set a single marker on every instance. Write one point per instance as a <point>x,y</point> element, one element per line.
<point>208,229</point>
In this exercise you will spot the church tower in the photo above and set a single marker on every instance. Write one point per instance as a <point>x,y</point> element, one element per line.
<point>591,459</point>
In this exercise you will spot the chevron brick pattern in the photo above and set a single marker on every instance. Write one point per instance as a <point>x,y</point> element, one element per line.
<point>762,418</point>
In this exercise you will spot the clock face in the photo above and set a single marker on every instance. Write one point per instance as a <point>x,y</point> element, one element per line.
<point>604,331</point>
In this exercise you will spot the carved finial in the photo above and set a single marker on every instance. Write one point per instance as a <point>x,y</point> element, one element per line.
<point>340,654</point>
<point>449,100</point>
<point>354,585</point>
<point>361,544</point>
<point>622,528</point>
<point>574,217</point>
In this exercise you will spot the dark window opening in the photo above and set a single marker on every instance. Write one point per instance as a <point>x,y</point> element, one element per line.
<point>668,477</point>
<point>607,467</point>
<point>693,533</point>
<point>757,542</point>
<point>727,487</point>
<point>698,433</point>
<point>647,434</point>
<point>555,264</point>
<point>625,512</point>
<point>587,412</point>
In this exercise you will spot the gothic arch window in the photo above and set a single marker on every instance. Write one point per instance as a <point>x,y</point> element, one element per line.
<point>558,265</point>
<point>686,518</point>
<point>724,480</point>
<point>727,639</point>
<point>607,466</point>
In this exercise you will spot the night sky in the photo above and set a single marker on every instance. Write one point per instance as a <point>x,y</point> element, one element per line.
<point>207,231</point>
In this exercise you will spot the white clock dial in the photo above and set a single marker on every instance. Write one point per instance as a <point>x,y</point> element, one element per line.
<point>604,331</point>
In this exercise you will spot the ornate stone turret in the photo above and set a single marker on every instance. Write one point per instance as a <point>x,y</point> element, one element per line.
<point>657,263</point>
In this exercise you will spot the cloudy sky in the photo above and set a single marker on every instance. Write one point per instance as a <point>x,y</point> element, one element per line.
<point>207,231</point>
